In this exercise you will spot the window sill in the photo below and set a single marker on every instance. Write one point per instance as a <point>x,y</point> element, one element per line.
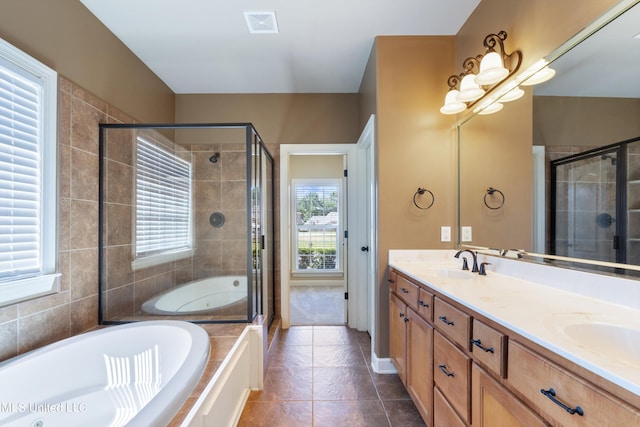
<point>22,290</point>
<point>153,260</point>
<point>310,273</point>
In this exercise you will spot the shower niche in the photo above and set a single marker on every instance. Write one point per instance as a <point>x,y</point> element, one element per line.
<point>186,223</point>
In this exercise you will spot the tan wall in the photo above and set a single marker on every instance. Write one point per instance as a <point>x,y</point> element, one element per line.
<point>64,35</point>
<point>279,118</point>
<point>594,122</point>
<point>415,149</point>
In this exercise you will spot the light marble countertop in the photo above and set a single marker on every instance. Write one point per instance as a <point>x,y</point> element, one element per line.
<point>573,317</point>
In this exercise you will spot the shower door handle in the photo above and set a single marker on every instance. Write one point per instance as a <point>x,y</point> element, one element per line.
<point>365,249</point>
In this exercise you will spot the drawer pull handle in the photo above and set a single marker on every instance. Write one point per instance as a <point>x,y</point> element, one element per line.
<point>391,281</point>
<point>443,368</point>
<point>401,314</point>
<point>478,344</point>
<point>422,304</point>
<point>445,321</point>
<point>404,290</point>
<point>551,394</point>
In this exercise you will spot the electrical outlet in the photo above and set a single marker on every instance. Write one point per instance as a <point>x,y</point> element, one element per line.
<point>445,233</point>
<point>466,234</point>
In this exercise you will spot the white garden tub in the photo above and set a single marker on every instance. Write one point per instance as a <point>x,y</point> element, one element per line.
<point>199,297</point>
<point>137,374</point>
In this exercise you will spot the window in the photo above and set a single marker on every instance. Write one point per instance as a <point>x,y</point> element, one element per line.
<point>317,214</point>
<point>28,242</point>
<point>163,221</point>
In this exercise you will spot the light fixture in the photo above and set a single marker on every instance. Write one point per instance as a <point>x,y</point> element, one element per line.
<point>491,108</point>
<point>492,68</point>
<point>512,95</point>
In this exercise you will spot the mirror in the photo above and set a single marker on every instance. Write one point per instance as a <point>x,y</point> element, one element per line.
<point>585,126</point>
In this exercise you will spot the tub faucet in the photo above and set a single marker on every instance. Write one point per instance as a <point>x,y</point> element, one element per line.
<point>474,269</point>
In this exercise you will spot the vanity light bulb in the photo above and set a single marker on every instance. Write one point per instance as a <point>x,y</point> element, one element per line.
<point>451,104</point>
<point>541,76</point>
<point>493,108</point>
<point>512,95</point>
<point>469,89</point>
<point>491,70</point>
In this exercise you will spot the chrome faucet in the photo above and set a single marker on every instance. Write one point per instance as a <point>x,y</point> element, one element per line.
<point>474,269</point>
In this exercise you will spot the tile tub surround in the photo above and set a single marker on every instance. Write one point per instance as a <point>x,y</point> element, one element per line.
<point>530,299</point>
<point>34,323</point>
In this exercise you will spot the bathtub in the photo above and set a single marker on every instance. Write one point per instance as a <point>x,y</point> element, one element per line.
<point>137,374</point>
<point>199,297</point>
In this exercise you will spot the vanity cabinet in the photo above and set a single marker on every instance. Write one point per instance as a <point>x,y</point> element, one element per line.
<point>463,369</point>
<point>411,343</point>
<point>561,397</point>
<point>494,406</point>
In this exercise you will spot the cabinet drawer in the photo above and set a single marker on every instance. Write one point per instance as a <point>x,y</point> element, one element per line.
<point>407,291</point>
<point>451,372</point>
<point>425,304</point>
<point>489,347</point>
<point>530,374</point>
<point>443,413</point>
<point>393,277</point>
<point>452,322</point>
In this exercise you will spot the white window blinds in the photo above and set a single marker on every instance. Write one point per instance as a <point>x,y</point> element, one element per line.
<point>163,201</point>
<point>20,164</point>
<point>317,224</point>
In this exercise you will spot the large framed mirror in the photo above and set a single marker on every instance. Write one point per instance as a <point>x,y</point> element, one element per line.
<point>575,193</point>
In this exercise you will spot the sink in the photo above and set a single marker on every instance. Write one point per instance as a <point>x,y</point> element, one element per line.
<point>616,341</point>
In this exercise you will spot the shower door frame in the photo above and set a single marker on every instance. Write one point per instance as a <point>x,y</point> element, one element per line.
<point>252,137</point>
<point>620,236</point>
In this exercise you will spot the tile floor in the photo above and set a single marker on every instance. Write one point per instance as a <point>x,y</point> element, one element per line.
<point>321,376</point>
<point>317,305</point>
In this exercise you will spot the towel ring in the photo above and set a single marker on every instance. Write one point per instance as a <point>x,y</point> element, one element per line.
<point>490,192</point>
<point>420,192</point>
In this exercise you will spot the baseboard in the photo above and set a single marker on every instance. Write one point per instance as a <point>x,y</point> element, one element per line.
<point>382,365</point>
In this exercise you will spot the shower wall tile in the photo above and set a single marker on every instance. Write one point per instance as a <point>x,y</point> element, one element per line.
<point>84,315</point>
<point>84,224</point>
<point>118,266</point>
<point>234,166</point>
<point>119,220</point>
<point>234,195</point>
<point>119,183</point>
<point>83,267</point>
<point>84,175</point>
<point>120,302</point>
<point>119,145</point>
<point>85,119</point>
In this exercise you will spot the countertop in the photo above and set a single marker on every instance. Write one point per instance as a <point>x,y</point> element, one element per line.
<point>572,320</point>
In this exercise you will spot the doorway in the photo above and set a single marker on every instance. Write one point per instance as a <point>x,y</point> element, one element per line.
<point>318,244</point>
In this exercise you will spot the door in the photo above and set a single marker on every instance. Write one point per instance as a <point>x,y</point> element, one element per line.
<point>586,219</point>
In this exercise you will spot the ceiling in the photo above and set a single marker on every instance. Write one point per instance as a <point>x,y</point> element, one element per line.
<point>204,46</point>
<point>607,64</point>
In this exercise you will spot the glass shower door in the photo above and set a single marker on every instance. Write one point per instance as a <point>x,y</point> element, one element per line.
<point>586,218</point>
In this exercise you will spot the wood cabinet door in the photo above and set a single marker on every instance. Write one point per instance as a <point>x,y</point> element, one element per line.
<point>492,405</point>
<point>420,364</point>
<point>397,335</point>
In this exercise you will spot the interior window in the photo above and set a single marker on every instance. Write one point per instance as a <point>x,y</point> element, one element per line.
<point>28,242</point>
<point>317,224</point>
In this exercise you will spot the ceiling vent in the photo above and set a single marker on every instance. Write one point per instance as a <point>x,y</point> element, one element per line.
<point>261,22</point>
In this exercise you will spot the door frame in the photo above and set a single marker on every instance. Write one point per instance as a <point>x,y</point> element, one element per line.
<point>357,304</point>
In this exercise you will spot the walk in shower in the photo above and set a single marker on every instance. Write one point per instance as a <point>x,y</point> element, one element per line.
<point>186,223</point>
<point>595,204</point>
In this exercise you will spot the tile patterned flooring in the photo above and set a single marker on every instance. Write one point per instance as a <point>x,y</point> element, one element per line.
<point>321,376</point>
